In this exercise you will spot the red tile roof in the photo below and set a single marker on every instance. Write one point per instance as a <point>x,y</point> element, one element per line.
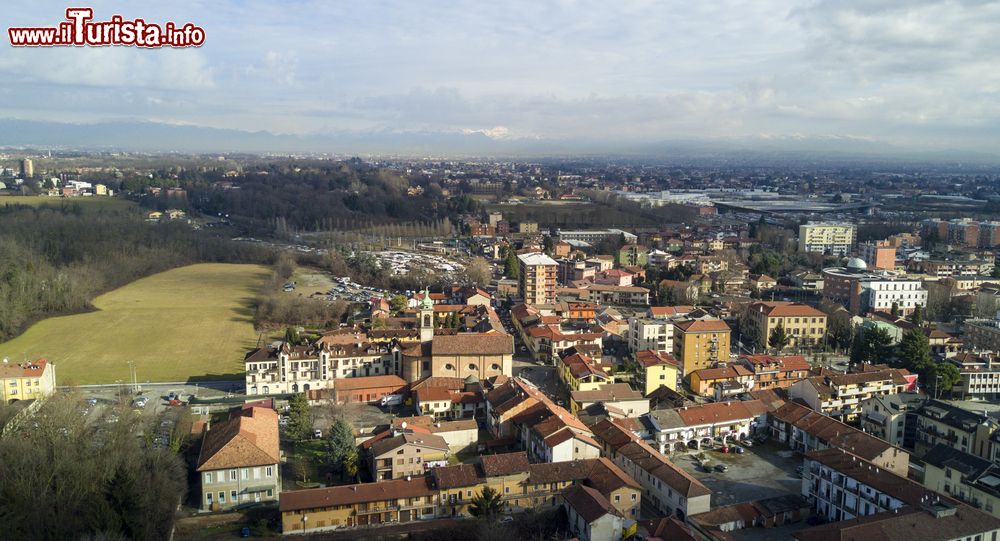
<point>247,439</point>
<point>702,325</point>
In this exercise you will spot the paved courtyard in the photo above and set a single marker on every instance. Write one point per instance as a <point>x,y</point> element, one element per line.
<point>763,471</point>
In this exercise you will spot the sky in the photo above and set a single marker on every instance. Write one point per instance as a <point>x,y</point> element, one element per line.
<point>915,74</point>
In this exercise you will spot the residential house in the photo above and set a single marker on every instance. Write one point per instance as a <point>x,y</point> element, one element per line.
<point>619,396</point>
<point>30,380</point>
<point>722,382</point>
<point>669,489</point>
<point>959,428</point>
<point>407,454</point>
<point>591,516</point>
<point>581,373</point>
<point>239,458</point>
<point>366,504</point>
<point>655,369</point>
<point>525,486</point>
<point>963,476</point>
<point>840,395</point>
<point>803,430</point>
<point>775,372</point>
<point>861,500</point>
<point>892,417</point>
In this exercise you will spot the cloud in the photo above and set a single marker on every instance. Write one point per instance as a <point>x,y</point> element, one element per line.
<point>921,73</point>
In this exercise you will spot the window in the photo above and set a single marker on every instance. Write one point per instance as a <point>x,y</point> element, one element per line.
<point>208,498</point>
<point>232,496</point>
<point>270,492</point>
<point>208,479</point>
<point>270,471</point>
<point>633,497</point>
<point>618,498</point>
<point>222,497</point>
<point>449,366</point>
<point>232,475</point>
<point>472,366</point>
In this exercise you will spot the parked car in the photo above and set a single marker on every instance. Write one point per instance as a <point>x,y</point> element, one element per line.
<point>318,434</point>
<point>738,450</point>
<point>721,468</point>
<point>245,532</point>
<point>724,449</point>
<point>746,443</point>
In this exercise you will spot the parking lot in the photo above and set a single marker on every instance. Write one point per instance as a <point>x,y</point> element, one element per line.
<point>765,470</point>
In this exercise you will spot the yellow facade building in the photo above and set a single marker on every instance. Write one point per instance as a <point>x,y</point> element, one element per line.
<point>700,343</point>
<point>27,380</point>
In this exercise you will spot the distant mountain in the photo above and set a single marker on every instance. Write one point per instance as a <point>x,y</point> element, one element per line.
<point>161,137</point>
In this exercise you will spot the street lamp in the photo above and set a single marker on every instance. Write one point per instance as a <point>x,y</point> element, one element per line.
<point>304,520</point>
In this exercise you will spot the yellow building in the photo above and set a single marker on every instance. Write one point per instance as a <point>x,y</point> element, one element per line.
<point>700,343</point>
<point>804,325</point>
<point>656,369</point>
<point>964,476</point>
<point>580,373</point>
<point>447,491</point>
<point>28,380</point>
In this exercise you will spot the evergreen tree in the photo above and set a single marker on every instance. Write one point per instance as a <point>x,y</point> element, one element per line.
<point>915,352</point>
<point>917,317</point>
<point>486,504</point>
<point>510,267</point>
<point>299,417</point>
<point>779,338</point>
<point>340,444</point>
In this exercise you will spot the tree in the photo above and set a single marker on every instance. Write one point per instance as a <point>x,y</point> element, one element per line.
<point>917,317</point>
<point>292,336</point>
<point>350,465</point>
<point>915,352</point>
<point>943,376</point>
<point>510,267</point>
<point>779,339</point>
<point>398,303</point>
<point>340,443</point>
<point>895,309</point>
<point>478,272</point>
<point>486,504</point>
<point>299,417</point>
<point>870,344</point>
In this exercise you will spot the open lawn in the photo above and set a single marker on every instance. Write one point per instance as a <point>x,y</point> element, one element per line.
<point>190,323</point>
<point>95,202</point>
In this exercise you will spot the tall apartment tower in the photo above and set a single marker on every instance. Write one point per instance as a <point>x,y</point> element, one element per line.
<point>27,168</point>
<point>834,239</point>
<point>536,283</point>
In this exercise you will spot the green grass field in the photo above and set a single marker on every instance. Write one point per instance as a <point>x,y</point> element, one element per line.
<point>190,323</point>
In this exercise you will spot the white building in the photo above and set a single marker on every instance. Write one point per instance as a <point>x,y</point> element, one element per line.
<point>647,333</point>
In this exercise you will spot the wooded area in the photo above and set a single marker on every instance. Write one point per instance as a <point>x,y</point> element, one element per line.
<point>55,258</point>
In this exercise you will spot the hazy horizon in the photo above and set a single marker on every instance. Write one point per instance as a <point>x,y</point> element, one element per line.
<point>864,77</point>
